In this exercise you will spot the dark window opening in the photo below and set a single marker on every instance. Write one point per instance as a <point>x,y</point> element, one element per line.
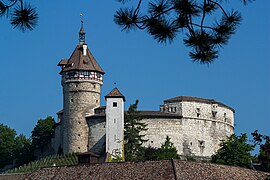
<point>214,113</point>
<point>201,143</point>
<point>198,112</point>
<point>114,104</point>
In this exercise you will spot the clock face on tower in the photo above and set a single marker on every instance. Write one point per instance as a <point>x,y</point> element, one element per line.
<point>82,38</point>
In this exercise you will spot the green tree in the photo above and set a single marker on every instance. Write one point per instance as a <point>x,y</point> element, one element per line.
<point>23,150</point>
<point>264,155</point>
<point>234,151</point>
<point>165,19</point>
<point>7,145</point>
<point>167,150</point>
<point>43,132</point>
<point>134,134</point>
<point>14,147</point>
<point>150,153</point>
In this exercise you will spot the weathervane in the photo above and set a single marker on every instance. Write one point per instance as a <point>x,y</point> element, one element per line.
<point>82,18</point>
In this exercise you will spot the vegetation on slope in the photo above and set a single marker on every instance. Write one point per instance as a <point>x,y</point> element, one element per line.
<point>56,160</point>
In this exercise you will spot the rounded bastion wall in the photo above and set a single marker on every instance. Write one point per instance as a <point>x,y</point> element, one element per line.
<point>193,134</point>
<point>81,97</point>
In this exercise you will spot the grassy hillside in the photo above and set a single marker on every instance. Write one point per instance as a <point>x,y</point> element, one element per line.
<point>55,160</point>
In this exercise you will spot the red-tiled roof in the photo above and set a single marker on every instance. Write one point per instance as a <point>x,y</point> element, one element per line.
<point>161,170</point>
<point>63,62</point>
<point>60,112</point>
<point>78,61</point>
<point>195,99</point>
<point>115,93</point>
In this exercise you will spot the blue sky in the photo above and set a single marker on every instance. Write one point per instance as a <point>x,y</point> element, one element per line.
<point>142,68</point>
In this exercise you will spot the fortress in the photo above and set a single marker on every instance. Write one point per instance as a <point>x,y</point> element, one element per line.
<point>195,125</point>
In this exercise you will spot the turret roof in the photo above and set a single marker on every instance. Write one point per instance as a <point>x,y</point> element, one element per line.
<point>115,93</point>
<point>78,61</point>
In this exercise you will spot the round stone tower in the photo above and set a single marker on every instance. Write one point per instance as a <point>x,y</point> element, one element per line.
<point>81,81</point>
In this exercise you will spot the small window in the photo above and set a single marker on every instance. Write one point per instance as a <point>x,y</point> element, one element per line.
<point>79,147</point>
<point>71,100</point>
<point>114,104</point>
<point>214,113</point>
<point>198,112</point>
<point>201,143</point>
<point>225,117</point>
<point>85,62</point>
<point>114,120</point>
<point>79,135</point>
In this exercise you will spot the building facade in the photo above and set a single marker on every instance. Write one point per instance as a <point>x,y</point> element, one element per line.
<point>196,126</point>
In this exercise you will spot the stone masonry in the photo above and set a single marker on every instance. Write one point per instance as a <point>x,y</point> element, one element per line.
<point>80,100</point>
<point>196,126</point>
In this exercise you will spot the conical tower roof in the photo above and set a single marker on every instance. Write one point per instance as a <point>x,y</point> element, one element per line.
<point>115,93</point>
<point>79,61</point>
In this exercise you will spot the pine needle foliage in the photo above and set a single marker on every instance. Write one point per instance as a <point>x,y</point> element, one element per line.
<point>192,19</point>
<point>134,134</point>
<point>167,150</point>
<point>23,16</point>
<point>264,154</point>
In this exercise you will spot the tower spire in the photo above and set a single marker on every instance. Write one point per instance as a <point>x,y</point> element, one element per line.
<point>81,33</point>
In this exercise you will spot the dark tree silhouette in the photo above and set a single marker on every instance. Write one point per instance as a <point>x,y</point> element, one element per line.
<point>165,19</point>
<point>264,155</point>
<point>22,15</point>
<point>43,132</point>
<point>134,133</point>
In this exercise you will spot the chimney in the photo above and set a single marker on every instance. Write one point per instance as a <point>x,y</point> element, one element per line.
<point>84,49</point>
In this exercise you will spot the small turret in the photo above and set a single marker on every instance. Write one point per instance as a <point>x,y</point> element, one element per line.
<point>115,123</point>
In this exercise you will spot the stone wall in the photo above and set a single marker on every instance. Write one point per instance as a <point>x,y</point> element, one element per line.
<point>96,139</point>
<point>199,131</point>
<point>190,136</point>
<point>81,97</point>
<point>57,139</point>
